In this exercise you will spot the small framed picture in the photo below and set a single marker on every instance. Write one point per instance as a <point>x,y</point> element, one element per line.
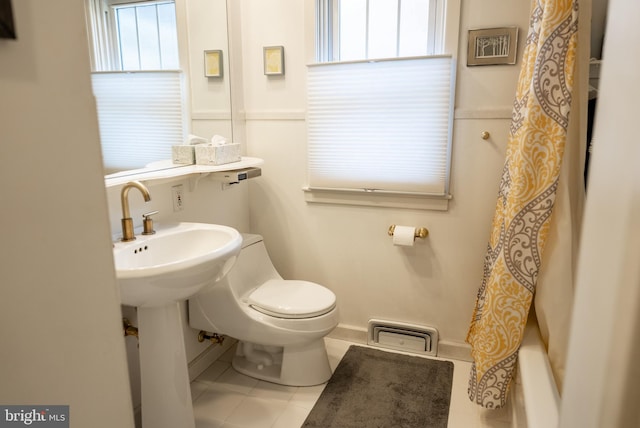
<point>273,60</point>
<point>213,63</point>
<point>492,46</point>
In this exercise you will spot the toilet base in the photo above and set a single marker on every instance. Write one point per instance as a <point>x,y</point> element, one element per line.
<point>299,365</point>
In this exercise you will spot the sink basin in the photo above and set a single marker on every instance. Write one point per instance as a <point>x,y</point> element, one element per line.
<point>175,263</point>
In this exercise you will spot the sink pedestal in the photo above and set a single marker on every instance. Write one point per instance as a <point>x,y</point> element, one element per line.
<point>166,392</point>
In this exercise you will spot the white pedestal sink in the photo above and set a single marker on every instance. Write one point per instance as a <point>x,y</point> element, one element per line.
<point>156,272</point>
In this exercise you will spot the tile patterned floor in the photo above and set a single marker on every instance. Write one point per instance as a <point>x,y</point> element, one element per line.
<point>224,398</point>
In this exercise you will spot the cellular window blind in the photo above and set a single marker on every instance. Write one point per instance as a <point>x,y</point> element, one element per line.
<point>145,107</point>
<point>382,126</point>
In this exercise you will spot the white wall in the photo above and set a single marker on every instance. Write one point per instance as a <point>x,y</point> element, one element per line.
<point>347,248</point>
<point>60,325</point>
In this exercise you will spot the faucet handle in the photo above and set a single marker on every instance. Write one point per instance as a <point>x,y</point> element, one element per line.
<point>147,223</point>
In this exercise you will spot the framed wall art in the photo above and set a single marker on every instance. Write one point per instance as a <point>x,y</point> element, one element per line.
<point>273,60</point>
<point>492,46</point>
<point>213,63</point>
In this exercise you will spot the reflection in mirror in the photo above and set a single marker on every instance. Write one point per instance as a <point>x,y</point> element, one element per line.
<point>149,78</point>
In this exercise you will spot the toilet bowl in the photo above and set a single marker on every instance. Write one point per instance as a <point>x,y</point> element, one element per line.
<point>280,324</point>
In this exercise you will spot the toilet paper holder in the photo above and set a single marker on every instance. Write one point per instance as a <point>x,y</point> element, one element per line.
<point>421,232</point>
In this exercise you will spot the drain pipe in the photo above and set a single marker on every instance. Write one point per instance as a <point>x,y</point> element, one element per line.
<point>129,330</point>
<point>213,337</point>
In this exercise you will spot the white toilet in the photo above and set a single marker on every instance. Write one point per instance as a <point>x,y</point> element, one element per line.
<point>280,323</point>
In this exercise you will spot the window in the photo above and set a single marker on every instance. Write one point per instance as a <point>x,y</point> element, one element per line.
<point>393,138</point>
<point>362,29</point>
<point>380,100</point>
<point>137,80</point>
<point>135,36</point>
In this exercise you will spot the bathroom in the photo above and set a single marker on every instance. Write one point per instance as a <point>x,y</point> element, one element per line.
<point>61,323</point>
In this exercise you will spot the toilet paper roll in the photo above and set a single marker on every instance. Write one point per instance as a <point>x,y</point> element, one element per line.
<point>404,236</point>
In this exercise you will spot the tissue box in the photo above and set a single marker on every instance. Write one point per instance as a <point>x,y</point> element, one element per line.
<point>217,155</point>
<point>183,154</point>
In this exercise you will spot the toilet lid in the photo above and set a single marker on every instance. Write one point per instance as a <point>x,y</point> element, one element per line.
<point>292,299</point>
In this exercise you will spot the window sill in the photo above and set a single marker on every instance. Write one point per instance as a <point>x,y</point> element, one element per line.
<point>373,199</point>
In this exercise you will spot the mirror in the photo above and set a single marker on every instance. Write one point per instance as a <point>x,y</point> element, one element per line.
<point>210,97</point>
<point>201,25</point>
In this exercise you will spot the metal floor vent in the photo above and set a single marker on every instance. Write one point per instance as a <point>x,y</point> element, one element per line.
<point>403,337</point>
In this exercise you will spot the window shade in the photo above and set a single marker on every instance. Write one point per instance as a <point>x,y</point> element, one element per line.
<point>142,107</point>
<point>381,126</point>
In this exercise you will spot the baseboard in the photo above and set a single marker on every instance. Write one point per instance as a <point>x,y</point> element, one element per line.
<point>207,357</point>
<point>446,348</point>
<point>349,333</point>
<point>454,350</point>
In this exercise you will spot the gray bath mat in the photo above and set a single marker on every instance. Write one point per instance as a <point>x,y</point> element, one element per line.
<point>378,389</point>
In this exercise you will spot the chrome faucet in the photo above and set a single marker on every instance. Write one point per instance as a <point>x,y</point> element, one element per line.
<point>127,221</point>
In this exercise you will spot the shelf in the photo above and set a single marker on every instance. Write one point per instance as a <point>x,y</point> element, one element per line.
<point>166,170</point>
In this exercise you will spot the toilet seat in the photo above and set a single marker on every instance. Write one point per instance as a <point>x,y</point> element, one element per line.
<point>292,299</point>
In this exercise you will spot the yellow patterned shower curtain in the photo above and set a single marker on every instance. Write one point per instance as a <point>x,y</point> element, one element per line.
<point>525,200</point>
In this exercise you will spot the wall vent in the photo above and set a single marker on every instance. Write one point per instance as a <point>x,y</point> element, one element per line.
<point>403,337</point>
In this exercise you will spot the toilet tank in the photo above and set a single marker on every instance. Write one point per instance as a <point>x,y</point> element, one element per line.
<point>253,266</point>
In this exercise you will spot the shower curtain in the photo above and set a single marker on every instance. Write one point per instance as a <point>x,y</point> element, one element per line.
<point>526,198</point>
